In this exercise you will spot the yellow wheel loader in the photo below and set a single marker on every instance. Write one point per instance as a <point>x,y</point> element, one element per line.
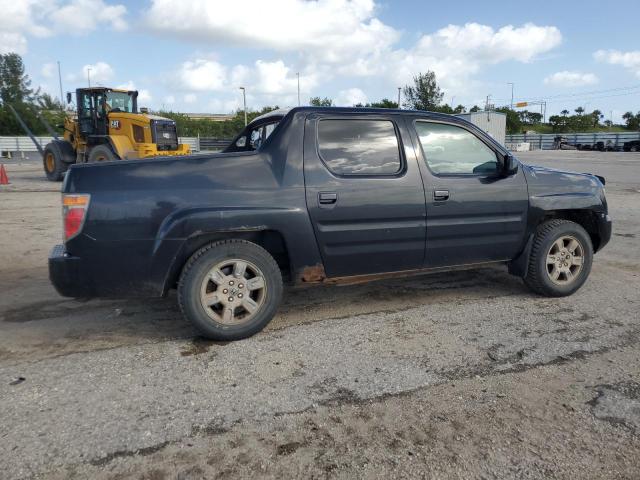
<point>107,126</point>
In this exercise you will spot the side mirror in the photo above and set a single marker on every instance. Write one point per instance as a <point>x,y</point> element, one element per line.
<point>68,97</point>
<point>241,142</point>
<point>509,165</point>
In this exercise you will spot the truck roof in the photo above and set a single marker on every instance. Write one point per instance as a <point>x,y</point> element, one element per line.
<point>281,112</point>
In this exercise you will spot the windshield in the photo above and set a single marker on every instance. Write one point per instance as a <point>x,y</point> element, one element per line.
<point>120,101</point>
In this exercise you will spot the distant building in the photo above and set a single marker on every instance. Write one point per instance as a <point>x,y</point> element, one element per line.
<point>214,117</point>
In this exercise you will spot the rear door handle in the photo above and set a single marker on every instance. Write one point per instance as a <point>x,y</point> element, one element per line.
<point>441,195</point>
<point>327,198</point>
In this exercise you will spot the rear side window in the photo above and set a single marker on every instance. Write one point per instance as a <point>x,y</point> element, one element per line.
<point>359,147</point>
<point>451,150</point>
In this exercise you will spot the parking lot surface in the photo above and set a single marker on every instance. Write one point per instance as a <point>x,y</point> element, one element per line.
<point>449,375</point>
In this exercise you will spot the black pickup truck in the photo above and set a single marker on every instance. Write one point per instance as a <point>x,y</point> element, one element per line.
<point>322,195</point>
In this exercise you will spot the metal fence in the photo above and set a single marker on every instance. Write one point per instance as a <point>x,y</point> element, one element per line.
<point>545,141</point>
<point>25,145</point>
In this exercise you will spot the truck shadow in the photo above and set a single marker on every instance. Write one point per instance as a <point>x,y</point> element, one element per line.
<point>63,325</point>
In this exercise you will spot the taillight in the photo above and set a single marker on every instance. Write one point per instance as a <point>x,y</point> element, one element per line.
<point>74,211</point>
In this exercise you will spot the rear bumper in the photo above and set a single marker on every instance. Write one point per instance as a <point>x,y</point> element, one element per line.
<point>67,274</point>
<point>605,225</point>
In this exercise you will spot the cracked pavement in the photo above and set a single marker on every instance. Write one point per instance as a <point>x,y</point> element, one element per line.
<point>462,374</point>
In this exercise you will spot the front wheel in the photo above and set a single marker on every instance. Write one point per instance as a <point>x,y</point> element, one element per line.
<point>101,153</point>
<point>560,259</point>
<point>230,289</point>
<point>54,166</point>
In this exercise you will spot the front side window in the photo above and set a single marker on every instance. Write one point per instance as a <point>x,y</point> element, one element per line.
<point>119,102</point>
<point>359,147</point>
<point>451,150</point>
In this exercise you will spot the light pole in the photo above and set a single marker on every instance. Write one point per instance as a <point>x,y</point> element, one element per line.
<point>452,99</point>
<point>399,107</point>
<point>244,102</point>
<point>511,83</point>
<point>298,75</point>
<point>89,76</point>
<point>60,81</point>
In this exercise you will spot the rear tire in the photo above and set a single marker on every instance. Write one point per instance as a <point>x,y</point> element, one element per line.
<point>54,167</point>
<point>230,289</point>
<point>101,153</point>
<point>560,259</point>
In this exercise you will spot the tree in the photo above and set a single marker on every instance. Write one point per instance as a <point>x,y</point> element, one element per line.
<point>15,85</point>
<point>424,94</point>
<point>565,112</point>
<point>579,110</point>
<point>47,102</point>
<point>320,102</point>
<point>596,115</point>
<point>459,109</point>
<point>632,121</point>
<point>514,124</point>
<point>384,103</point>
<point>475,108</point>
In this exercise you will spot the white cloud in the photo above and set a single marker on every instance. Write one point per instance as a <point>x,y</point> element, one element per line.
<point>144,97</point>
<point>202,75</point>
<point>44,18</point>
<point>272,81</point>
<point>350,97</point>
<point>336,38</point>
<point>47,70</point>
<point>571,79</point>
<point>629,60</point>
<point>327,30</point>
<point>169,99</point>
<point>190,98</point>
<point>100,72</point>
<point>12,42</point>
<point>455,53</point>
<point>83,16</point>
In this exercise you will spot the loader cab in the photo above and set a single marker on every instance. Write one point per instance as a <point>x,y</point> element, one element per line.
<point>94,105</point>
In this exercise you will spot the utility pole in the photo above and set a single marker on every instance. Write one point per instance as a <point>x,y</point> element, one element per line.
<point>511,83</point>
<point>486,105</point>
<point>60,81</point>
<point>298,75</point>
<point>244,101</point>
<point>452,99</point>
<point>399,88</point>
<point>89,76</point>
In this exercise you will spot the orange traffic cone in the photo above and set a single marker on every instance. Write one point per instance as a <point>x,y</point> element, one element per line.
<point>4,180</point>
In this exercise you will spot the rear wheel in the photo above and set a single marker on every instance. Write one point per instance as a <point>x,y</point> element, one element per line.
<point>230,289</point>
<point>101,153</point>
<point>560,259</point>
<point>54,166</point>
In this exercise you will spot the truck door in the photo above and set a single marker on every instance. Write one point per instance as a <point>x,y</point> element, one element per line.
<point>364,193</point>
<point>473,214</point>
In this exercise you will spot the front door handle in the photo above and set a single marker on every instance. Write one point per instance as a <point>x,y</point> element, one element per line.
<point>440,195</point>
<point>327,198</point>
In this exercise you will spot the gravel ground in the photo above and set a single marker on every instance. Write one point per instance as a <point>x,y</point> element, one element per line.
<point>455,375</point>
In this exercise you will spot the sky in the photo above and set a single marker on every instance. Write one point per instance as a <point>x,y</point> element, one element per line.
<point>193,55</point>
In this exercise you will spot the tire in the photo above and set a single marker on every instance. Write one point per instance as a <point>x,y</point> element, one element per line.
<point>549,237</point>
<point>101,153</point>
<point>53,164</point>
<point>227,316</point>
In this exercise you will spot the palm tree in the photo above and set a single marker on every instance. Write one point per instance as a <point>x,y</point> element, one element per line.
<point>579,110</point>
<point>565,112</point>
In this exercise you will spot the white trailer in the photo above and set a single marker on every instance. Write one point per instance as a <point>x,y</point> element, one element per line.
<point>494,123</point>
